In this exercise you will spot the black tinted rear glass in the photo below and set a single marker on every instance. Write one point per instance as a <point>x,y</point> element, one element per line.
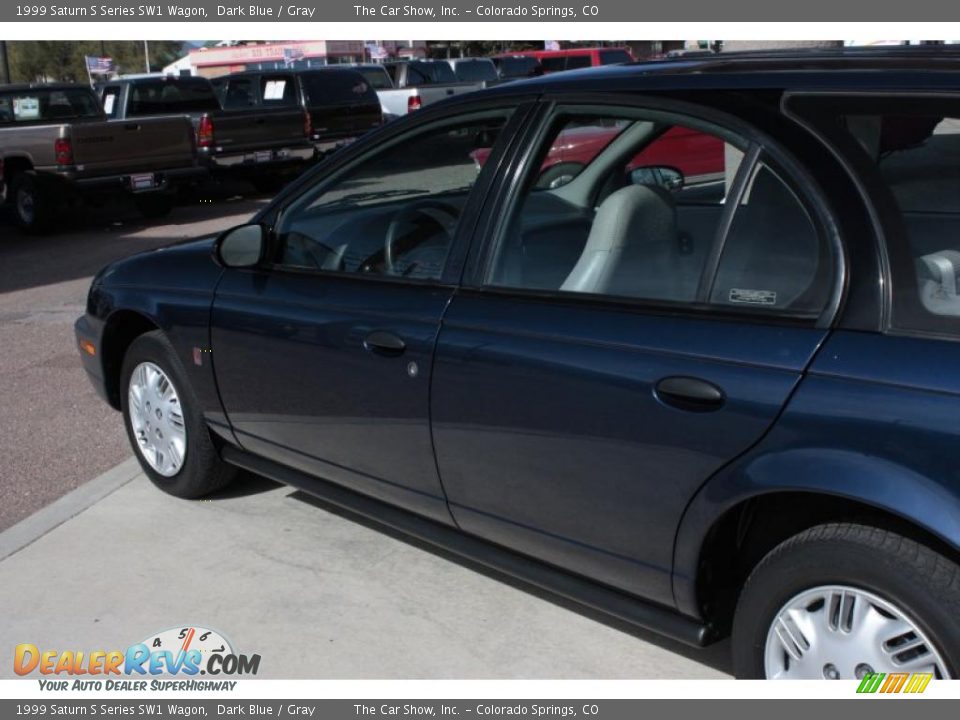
<point>377,77</point>
<point>426,73</point>
<point>554,64</point>
<point>475,70</point>
<point>578,61</point>
<point>40,105</point>
<point>516,67</point>
<point>171,96</point>
<point>609,57</point>
<point>337,87</point>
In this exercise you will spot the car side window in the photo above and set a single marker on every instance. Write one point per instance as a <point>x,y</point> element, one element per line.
<point>395,213</point>
<point>650,208</point>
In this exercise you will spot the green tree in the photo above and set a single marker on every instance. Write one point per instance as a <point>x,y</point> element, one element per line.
<point>63,60</point>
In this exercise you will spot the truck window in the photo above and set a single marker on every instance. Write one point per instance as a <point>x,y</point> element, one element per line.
<point>377,77</point>
<point>475,71</point>
<point>111,97</point>
<point>554,64</point>
<point>518,67</point>
<point>578,61</point>
<point>611,57</point>
<point>278,91</point>
<point>171,96</point>
<point>337,87</point>
<point>39,105</point>
<point>239,94</point>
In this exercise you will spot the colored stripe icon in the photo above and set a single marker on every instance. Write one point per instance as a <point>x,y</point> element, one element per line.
<point>895,682</point>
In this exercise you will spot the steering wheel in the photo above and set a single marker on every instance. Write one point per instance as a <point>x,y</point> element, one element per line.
<point>441,214</point>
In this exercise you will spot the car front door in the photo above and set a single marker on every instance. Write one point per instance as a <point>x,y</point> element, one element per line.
<point>323,354</point>
<point>617,341</point>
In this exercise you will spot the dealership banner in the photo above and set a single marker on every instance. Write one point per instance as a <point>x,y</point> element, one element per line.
<point>478,11</point>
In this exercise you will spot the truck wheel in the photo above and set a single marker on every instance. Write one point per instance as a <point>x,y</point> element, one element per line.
<point>34,206</point>
<point>154,206</point>
<point>845,601</point>
<point>164,422</point>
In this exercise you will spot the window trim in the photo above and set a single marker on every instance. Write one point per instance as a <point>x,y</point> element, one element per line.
<point>791,171</point>
<point>518,109</point>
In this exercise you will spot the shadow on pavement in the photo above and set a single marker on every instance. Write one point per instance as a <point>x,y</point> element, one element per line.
<point>716,656</point>
<point>89,238</point>
<point>246,484</point>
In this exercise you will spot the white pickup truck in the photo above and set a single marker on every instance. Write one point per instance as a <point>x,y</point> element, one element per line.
<point>408,85</point>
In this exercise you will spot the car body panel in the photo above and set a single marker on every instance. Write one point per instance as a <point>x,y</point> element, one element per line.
<point>540,411</point>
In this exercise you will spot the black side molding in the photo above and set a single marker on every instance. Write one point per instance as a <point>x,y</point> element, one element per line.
<point>546,577</point>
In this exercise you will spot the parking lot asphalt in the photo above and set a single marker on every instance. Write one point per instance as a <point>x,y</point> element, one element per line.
<point>55,433</point>
<point>315,591</point>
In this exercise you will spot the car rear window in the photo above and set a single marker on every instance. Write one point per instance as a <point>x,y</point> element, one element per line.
<point>475,70</point>
<point>337,87</point>
<point>44,105</point>
<point>171,96</point>
<point>578,61</point>
<point>610,57</point>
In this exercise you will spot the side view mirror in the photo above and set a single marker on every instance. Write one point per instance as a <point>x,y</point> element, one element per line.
<point>669,178</point>
<point>241,247</point>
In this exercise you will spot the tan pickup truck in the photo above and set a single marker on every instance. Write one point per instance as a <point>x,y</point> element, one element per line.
<point>57,147</point>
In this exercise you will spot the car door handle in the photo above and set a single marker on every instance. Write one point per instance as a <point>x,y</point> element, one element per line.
<point>384,343</point>
<point>691,394</point>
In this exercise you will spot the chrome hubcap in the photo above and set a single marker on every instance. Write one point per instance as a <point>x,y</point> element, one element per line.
<point>157,419</point>
<point>25,206</point>
<point>838,632</point>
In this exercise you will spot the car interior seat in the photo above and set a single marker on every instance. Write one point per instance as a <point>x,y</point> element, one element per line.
<point>633,249</point>
<point>938,278</point>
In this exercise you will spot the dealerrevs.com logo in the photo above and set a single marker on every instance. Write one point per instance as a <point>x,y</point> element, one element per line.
<point>186,652</point>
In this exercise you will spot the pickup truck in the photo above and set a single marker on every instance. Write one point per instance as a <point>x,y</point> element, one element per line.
<point>57,146</point>
<point>255,135</point>
<point>418,83</point>
<point>334,105</point>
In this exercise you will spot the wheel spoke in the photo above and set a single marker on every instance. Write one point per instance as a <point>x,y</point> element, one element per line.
<point>157,419</point>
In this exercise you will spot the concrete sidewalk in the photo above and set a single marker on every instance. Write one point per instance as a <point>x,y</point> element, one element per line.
<point>316,593</point>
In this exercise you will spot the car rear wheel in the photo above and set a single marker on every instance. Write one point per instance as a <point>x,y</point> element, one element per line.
<point>843,601</point>
<point>164,422</point>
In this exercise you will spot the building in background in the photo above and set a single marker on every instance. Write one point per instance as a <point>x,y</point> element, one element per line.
<point>299,54</point>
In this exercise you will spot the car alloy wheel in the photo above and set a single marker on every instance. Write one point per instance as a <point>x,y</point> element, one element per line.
<point>157,419</point>
<point>841,632</point>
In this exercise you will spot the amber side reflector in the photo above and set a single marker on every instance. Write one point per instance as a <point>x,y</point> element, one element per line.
<point>88,347</point>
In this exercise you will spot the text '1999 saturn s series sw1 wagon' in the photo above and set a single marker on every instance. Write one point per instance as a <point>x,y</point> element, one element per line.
<point>707,398</point>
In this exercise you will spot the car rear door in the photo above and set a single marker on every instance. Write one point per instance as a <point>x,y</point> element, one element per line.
<point>323,355</point>
<point>616,343</point>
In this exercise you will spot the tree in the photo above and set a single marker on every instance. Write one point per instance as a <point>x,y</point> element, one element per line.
<point>63,60</point>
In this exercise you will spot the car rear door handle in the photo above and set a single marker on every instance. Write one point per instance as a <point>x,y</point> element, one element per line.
<point>384,343</point>
<point>691,394</point>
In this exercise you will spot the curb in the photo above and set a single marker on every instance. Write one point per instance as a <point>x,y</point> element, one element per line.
<point>34,527</point>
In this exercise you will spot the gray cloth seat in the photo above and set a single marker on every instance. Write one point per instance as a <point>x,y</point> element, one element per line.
<point>633,249</point>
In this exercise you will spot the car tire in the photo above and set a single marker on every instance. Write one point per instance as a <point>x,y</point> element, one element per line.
<point>34,206</point>
<point>808,596</point>
<point>154,206</point>
<point>200,470</point>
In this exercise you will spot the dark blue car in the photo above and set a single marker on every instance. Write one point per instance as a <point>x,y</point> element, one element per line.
<point>715,403</point>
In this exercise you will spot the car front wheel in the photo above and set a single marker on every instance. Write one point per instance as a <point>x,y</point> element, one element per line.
<point>164,421</point>
<point>843,601</point>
